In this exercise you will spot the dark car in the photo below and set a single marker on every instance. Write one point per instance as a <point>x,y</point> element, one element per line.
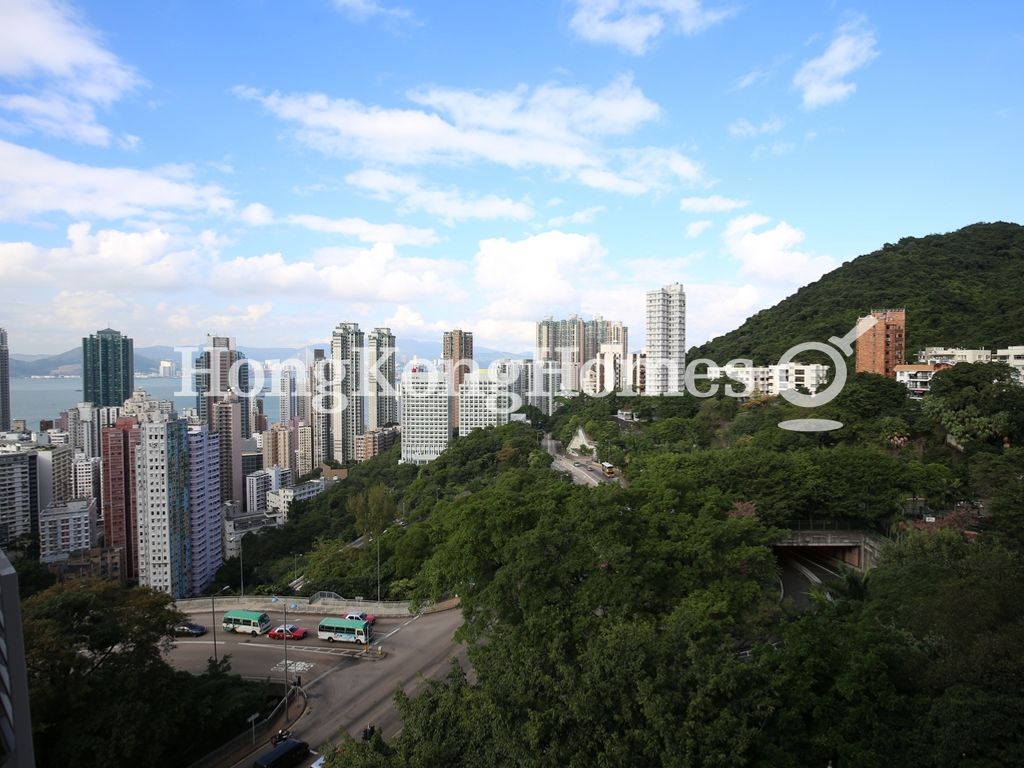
<point>288,753</point>
<point>189,630</point>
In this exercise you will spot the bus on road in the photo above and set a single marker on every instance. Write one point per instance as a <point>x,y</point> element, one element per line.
<point>608,469</point>
<point>333,629</point>
<point>246,622</point>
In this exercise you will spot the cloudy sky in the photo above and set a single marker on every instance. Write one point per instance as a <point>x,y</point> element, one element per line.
<point>266,169</point>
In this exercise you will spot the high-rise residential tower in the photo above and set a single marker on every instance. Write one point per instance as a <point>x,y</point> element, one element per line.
<point>884,346</point>
<point>162,499</point>
<point>108,368</point>
<point>226,423</point>
<point>19,496</point>
<point>666,340</point>
<point>346,402</point>
<point>455,346</point>
<point>381,399</point>
<point>204,517</point>
<point>426,405</point>
<point>214,379</point>
<point>319,407</point>
<point>119,444</point>
<point>5,383</point>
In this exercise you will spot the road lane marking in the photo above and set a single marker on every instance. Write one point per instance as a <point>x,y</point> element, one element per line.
<point>389,634</point>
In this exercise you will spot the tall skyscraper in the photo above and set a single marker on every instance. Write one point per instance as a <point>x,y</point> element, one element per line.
<point>347,372</point>
<point>162,488</point>
<point>226,423</point>
<point>5,383</point>
<point>214,380</point>
<point>666,340</point>
<point>884,346</point>
<point>278,447</point>
<point>456,345</point>
<point>205,528</point>
<point>426,405</point>
<point>108,368</point>
<point>573,342</point>
<point>119,444</point>
<point>15,715</point>
<point>319,409</point>
<point>382,402</point>
<point>287,404</point>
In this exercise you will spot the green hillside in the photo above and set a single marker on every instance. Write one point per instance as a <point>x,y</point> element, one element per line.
<point>963,288</point>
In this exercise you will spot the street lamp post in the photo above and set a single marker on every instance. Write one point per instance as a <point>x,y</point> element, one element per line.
<point>213,619</point>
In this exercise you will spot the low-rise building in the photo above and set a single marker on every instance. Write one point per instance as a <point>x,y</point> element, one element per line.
<point>953,355</point>
<point>375,442</point>
<point>1013,357</point>
<point>917,378</point>
<point>66,527</point>
<point>279,502</point>
<point>773,380</point>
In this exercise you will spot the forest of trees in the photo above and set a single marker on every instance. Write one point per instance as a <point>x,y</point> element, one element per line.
<point>960,289</point>
<point>632,623</point>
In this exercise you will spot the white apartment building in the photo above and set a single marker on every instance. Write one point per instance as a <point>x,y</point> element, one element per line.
<point>484,401</point>
<point>772,379</point>
<point>54,474</point>
<point>1012,356</point>
<point>917,378</point>
<point>425,413</point>
<point>144,408</point>
<point>259,484</point>
<point>279,502</point>
<point>204,514</point>
<point>66,527</point>
<point>666,340</point>
<point>85,477</point>
<point>953,355</point>
<point>162,503</point>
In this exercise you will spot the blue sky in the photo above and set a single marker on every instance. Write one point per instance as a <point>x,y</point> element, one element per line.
<point>267,169</point>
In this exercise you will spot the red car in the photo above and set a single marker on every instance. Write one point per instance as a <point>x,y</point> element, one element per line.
<point>369,618</point>
<point>288,631</point>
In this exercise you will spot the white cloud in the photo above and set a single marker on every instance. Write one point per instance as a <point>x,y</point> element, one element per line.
<point>367,232</point>
<point>772,254</point>
<point>634,24</point>
<point>524,279</point>
<point>752,77</point>
<point>109,259</point>
<point>776,149</point>
<point>60,70</point>
<point>556,127</point>
<point>745,129</point>
<point>257,215</point>
<point>823,80</point>
<point>375,274</point>
<point>447,204</point>
<point>33,183</point>
<point>585,216</point>
<point>697,228</point>
<point>712,204</point>
<point>361,10</point>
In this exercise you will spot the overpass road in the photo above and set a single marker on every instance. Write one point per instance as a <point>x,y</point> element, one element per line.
<point>344,693</point>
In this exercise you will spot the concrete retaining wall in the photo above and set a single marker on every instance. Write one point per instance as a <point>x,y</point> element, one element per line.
<point>321,607</point>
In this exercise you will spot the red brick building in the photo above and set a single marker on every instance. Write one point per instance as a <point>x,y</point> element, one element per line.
<point>884,347</point>
<point>119,512</point>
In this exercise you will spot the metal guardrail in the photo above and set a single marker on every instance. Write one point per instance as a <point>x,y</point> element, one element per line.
<point>255,734</point>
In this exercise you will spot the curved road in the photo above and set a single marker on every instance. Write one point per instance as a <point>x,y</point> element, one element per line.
<point>344,692</point>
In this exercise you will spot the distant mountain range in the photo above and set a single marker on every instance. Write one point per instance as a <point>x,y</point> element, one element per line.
<point>147,359</point>
<point>962,289</point>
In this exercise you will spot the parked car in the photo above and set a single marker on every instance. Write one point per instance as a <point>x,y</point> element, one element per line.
<point>289,631</point>
<point>189,630</point>
<point>369,618</point>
